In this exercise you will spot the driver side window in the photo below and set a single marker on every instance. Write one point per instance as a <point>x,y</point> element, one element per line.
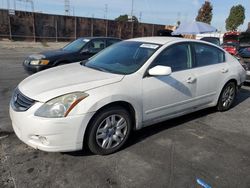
<point>177,56</point>
<point>96,45</point>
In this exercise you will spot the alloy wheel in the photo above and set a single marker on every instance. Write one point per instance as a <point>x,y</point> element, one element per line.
<point>111,131</point>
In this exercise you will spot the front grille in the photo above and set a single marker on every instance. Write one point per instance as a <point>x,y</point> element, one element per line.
<point>20,102</point>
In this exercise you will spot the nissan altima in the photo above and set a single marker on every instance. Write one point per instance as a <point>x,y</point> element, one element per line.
<point>127,86</point>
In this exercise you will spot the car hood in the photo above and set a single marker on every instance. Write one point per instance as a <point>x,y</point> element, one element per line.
<point>50,54</point>
<point>61,80</point>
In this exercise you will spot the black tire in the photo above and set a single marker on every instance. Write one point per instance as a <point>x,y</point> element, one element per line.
<point>226,99</point>
<point>99,121</point>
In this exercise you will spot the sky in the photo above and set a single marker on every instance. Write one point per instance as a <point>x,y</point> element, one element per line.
<point>166,12</point>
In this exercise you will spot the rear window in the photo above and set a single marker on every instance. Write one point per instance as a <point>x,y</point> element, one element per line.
<point>208,55</point>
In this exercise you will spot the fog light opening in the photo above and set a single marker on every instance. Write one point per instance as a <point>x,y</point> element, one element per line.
<point>43,140</point>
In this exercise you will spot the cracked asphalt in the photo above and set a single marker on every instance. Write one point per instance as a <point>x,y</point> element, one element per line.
<point>209,145</point>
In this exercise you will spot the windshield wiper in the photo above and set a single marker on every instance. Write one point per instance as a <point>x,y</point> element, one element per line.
<point>96,68</point>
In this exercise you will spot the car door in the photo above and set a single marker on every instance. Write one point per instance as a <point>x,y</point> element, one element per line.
<point>168,96</point>
<point>210,70</point>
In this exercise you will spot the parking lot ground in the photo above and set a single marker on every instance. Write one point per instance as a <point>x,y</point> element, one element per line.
<point>209,145</point>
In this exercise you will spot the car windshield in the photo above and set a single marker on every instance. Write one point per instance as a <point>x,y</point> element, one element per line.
<point>76,45</point>
<point>123,58</point>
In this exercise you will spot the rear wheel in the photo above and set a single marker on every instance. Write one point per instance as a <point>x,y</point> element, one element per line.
<point>109,131</point>
<point>227,96</point>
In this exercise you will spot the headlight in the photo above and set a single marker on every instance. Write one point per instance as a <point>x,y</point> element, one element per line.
<point>60,106</point>
<point>39,62</point>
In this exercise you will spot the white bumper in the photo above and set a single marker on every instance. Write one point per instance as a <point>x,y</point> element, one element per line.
<point>50,134</point>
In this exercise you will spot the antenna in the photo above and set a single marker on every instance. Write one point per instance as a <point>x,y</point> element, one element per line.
<point>67,7</point>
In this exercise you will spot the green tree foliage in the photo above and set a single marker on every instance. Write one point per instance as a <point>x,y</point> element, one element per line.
<point>235,18</point>
<point>125,18</point>
<point>205,13</point>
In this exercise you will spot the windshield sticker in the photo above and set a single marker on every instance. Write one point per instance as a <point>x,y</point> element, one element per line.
<point>86,40</point>
<point>152,46</point>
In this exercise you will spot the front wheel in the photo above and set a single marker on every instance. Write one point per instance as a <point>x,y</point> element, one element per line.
<point>109,131</point>
<point>227,97</point>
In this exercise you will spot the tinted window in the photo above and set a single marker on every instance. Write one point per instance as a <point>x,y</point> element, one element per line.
<point>178,57</point>
<point>76,45</point>
<point>112,41</point>
<point>208,55</point>
<point>96,45</point>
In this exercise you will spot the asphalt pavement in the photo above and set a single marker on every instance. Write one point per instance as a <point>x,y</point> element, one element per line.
<point>207,145</point>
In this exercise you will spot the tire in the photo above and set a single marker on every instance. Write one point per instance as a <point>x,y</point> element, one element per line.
<point>109,131</point>
<point>227,97</point>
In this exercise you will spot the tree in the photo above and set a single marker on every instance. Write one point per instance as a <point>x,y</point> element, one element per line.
<point>205,13</point>
<point>125,18</point>
<point>236,18</point>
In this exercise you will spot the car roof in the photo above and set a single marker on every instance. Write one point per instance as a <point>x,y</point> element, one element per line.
<point>159,40</point>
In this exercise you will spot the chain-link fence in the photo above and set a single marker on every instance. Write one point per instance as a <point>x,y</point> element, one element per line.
<point>20,25</point>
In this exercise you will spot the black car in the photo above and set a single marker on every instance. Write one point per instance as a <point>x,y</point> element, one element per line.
<point>214,40</point>
<point>78,50</point>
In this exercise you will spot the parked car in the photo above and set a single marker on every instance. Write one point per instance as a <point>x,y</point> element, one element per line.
<point>231,36</point>
<point>214,40</point>
<point>244,52</point>
<point>231,47</point>
<point>80,49</point>
<point>130,85</point>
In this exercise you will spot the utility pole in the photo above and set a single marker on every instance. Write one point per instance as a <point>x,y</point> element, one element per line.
<point>8,4</point>
<point>106,11</point>
<point>67,7</point>
<point>132,9</point>
<point>106,19</point>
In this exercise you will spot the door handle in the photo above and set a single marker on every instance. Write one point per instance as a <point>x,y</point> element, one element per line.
<point>191,80</point>
<point>224,70</point>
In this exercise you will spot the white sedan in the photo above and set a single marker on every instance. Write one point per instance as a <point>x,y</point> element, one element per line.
<point>130,85</point>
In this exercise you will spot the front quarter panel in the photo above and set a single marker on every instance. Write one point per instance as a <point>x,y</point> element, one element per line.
<point>128,90</point>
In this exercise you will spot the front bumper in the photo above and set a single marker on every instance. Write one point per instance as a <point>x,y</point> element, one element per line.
<point>50,134</point>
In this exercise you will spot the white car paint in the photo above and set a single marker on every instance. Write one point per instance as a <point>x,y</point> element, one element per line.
<point>153,99</point>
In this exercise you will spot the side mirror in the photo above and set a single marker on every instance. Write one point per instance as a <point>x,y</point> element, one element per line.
<point>160,70</point>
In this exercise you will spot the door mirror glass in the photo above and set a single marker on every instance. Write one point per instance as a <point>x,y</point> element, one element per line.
<point>160,70</point>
